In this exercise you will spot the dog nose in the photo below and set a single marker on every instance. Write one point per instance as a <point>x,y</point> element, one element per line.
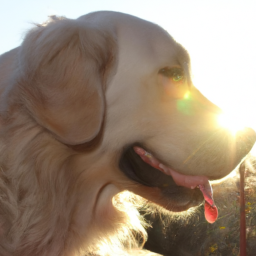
<point>249,133</point>
<point>251,138</point>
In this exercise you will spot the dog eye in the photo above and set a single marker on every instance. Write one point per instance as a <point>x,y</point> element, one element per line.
<point>175,73</point>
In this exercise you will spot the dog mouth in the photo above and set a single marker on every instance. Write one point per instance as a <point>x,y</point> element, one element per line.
<point>143,167</point>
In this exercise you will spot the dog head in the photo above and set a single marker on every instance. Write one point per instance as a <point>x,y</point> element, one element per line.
<point>161,111</point>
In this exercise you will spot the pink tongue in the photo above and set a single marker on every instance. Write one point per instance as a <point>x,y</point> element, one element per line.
<point>189,181</point>
<point>210,209</point>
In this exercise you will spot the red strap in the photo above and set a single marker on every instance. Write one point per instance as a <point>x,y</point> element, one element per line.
<point>242,212</point>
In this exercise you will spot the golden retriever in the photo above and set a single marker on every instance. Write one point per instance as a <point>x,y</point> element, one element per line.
<point>93,107</point>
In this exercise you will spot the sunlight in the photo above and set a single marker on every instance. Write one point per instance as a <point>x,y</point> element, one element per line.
<point>125,200</point>
<point>233,93</point>
<point>223,66</point>
<point>186,95</point>
<point>253,150</point>
<point>232,122</point>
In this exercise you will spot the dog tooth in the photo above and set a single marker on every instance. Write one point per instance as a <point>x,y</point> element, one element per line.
<point>147,154</point>
<point>161,166</point>
<point>139,150</point>
<point>165,170</point>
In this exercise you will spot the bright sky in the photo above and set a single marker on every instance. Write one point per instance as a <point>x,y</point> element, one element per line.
<point>220,36</point>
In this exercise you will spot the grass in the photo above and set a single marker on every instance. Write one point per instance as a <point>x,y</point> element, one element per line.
<point>194,236</point>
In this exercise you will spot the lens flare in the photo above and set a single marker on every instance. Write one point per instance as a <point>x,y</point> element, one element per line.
<point>187,95</point>
<point>232,122</point>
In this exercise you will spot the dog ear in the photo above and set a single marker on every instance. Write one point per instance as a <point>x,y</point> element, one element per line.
<point>63,68</point>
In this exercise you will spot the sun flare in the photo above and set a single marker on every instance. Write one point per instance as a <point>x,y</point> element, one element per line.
<point>231,122</point>
<point>236,98</point>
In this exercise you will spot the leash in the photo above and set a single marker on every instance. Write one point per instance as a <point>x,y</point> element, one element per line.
<point>242,211</point>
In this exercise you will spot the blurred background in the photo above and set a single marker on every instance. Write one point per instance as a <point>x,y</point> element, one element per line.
<point>189,234</point>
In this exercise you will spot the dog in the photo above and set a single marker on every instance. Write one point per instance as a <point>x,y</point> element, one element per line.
<point>99,116</point>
